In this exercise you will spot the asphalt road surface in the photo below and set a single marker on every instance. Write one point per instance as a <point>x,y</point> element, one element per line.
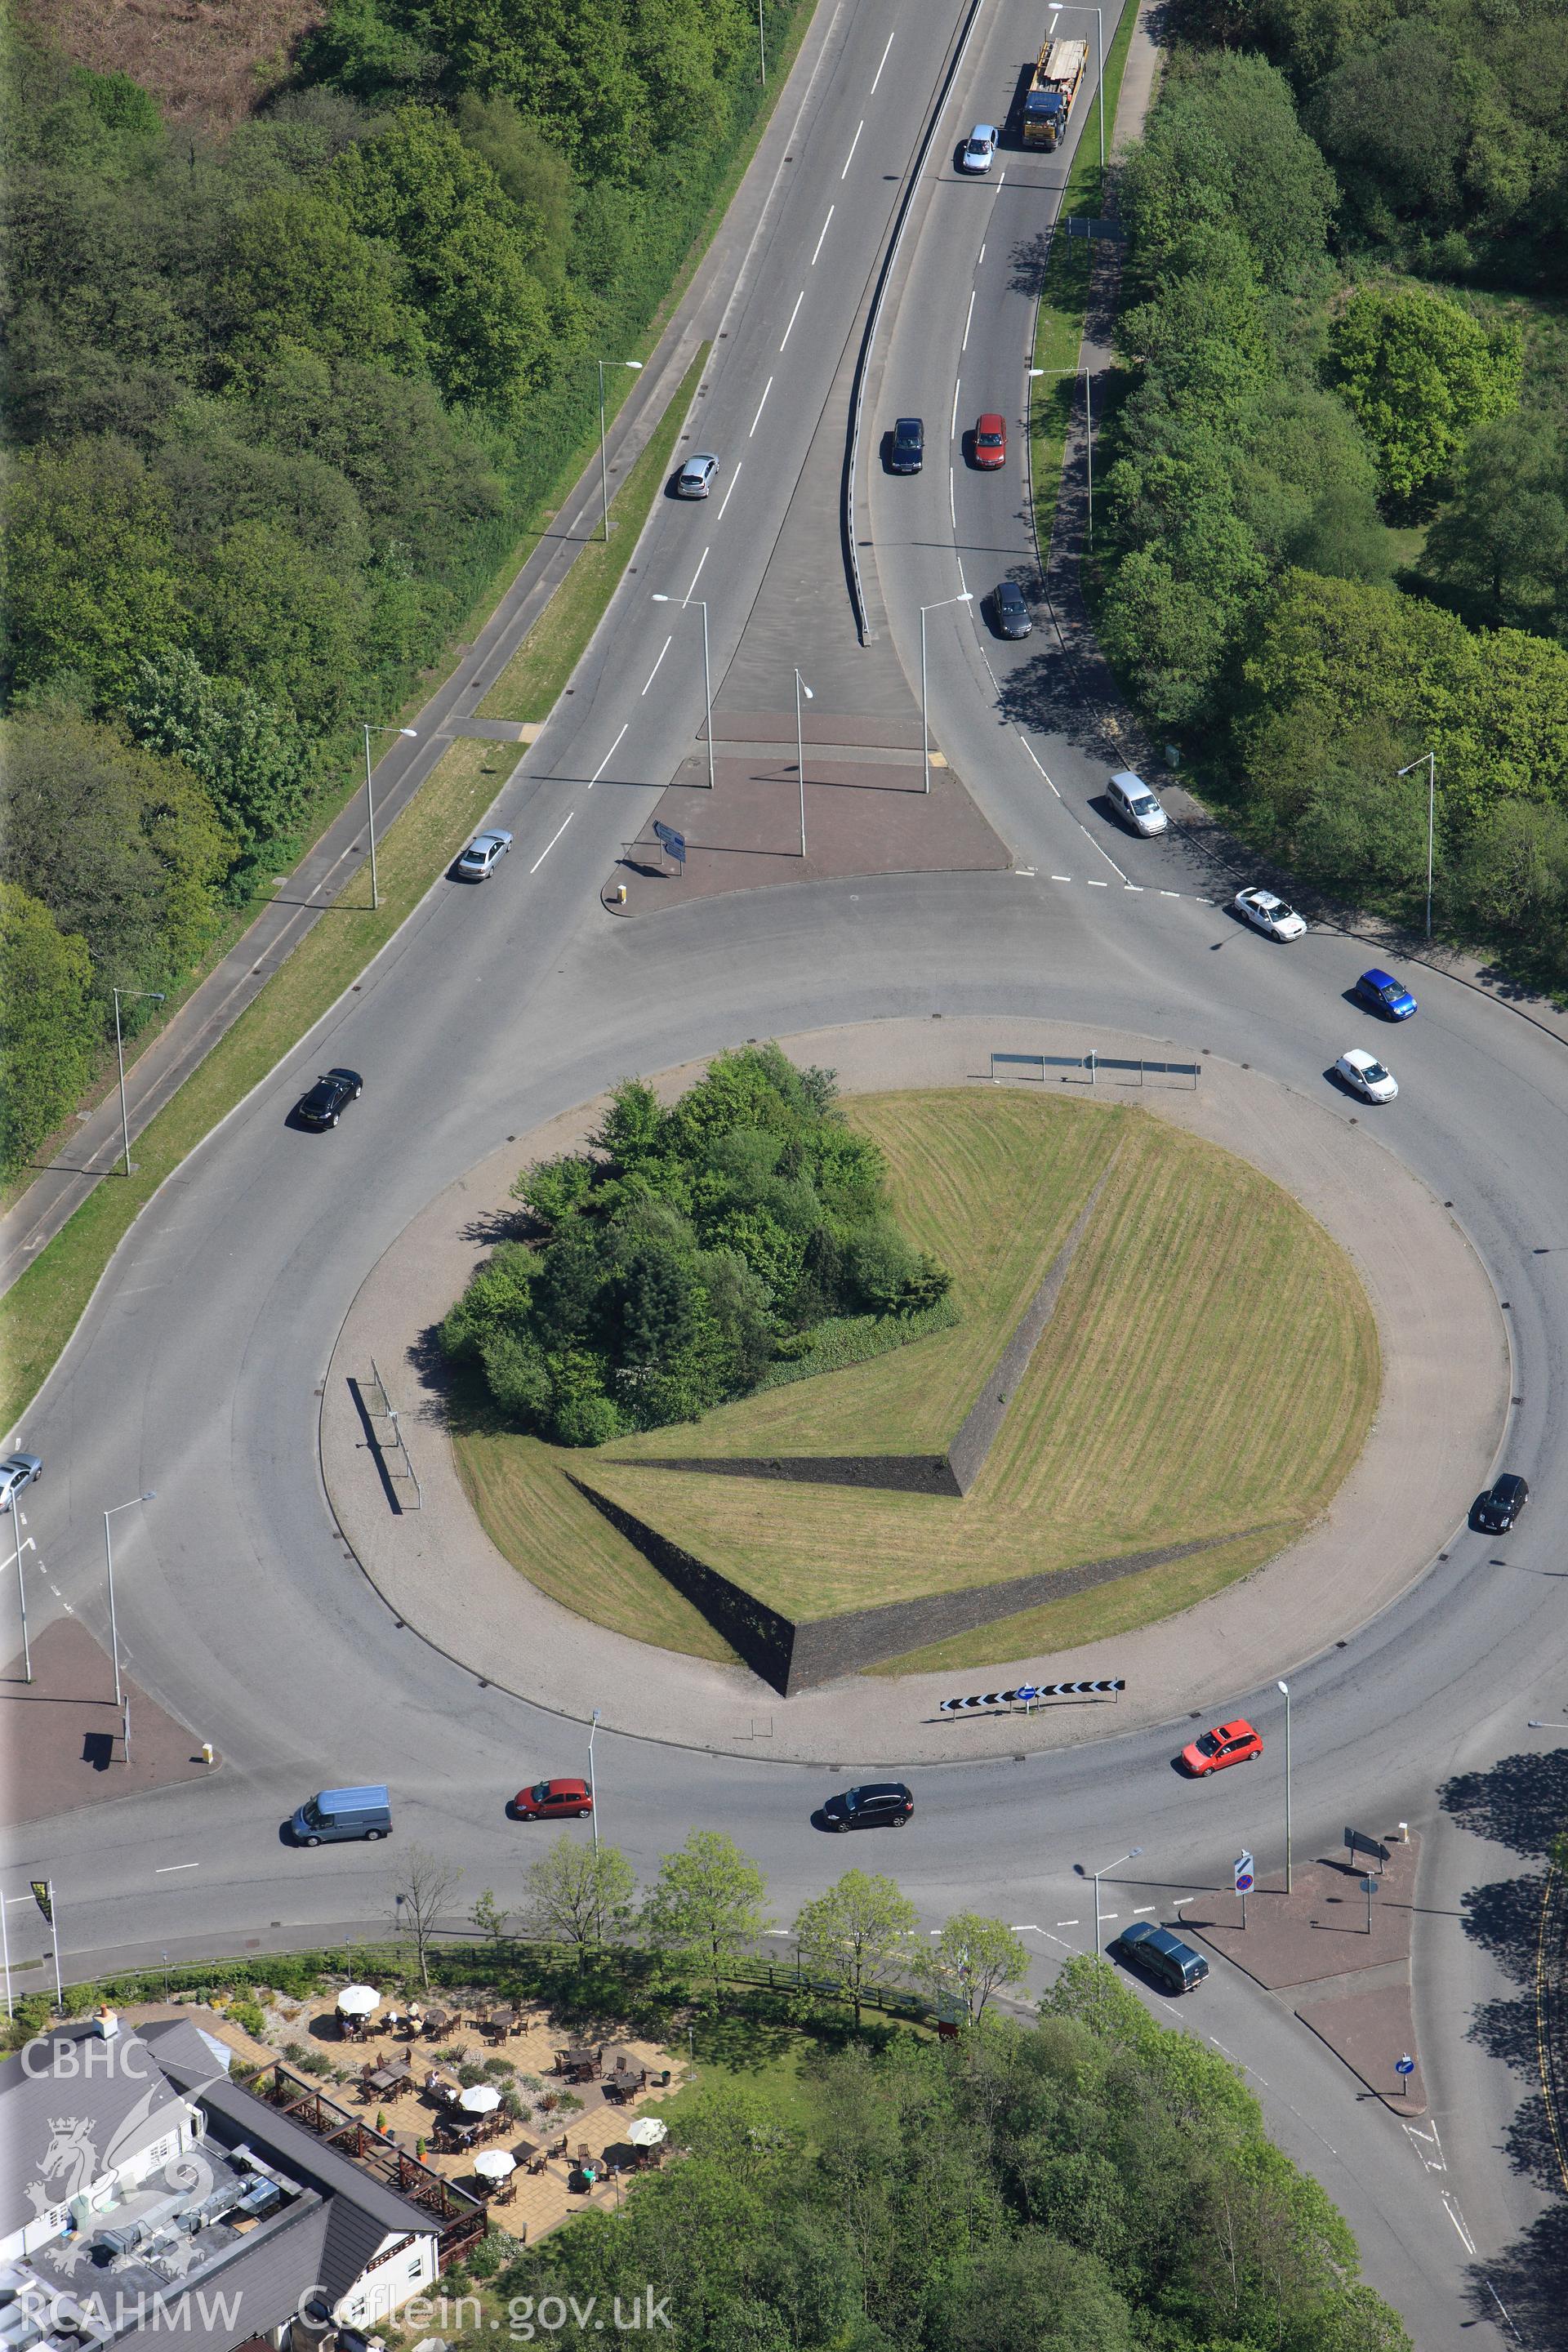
<point>197,1368</point>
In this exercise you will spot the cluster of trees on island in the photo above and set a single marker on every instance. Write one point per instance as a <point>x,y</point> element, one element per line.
<point>690,1253</point>
<point>283,393</point>
<point>1337,497</point>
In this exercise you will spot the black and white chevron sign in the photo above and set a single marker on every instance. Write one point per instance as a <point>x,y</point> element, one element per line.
<point>1027,1692</point>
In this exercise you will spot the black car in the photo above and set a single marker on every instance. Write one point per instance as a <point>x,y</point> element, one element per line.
<point>1012,611</point>
<point>325,1102</point>
<point>1496,1512</point>
<point>908,453</point>
<point>881,1804</point>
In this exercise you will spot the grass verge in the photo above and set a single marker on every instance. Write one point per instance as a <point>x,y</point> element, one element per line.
<point>39,1312</point>
<point>530,682</point>
<point>1064,296</point>
<point>1157,1410</point>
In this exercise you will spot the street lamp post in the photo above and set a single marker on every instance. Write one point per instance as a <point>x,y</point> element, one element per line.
<point>1104,1869</point>
<point>800,687</point>
<point>707,672</point>
<point>592,1791</point>
<point>762,43</point>
<point>370,797</point>
<point>150,1496</point>
<point>157,996</point>
<point>966,598</point>
<point>604,462</point>
<point>1429,760</point>
<point>1286,1688</point>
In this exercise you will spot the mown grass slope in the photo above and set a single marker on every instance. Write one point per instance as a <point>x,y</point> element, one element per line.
<point>1210,1374</point>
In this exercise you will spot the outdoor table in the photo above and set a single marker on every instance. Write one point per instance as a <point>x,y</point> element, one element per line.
<point>503,2018</point>
<point>436,2020</point>
<point>382,2078</point>
<point>480,2099</point>
<point>524,2151</point>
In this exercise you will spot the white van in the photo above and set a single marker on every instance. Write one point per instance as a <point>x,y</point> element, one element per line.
<point>1135,805</point>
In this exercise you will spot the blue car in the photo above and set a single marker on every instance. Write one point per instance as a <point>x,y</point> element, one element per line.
<point>1386,994</point>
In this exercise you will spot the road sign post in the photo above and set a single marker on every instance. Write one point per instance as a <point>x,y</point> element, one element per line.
<point>672,843</point>
<point>1243,1874</point>
<point>1369,1888</point>
<point>1405,2067</point>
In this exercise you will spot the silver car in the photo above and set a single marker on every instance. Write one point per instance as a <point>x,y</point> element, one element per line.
<point>979,148</point>
<point>1135,805</point>
<point>18,1471</point>
<point>482,856</point>
<point>694,479</point>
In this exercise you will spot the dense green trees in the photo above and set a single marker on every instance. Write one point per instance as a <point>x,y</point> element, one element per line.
<point>685,1251</point>
<point>280,401</point>
<point>1420,375</point>
<point>49,1019</point>
<point>1280,419</point>
<point>1093,2183</point>
<point>1231,460</point>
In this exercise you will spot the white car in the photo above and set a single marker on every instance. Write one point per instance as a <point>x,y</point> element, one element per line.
<point>1135,805</point>
<point>1365,1076</point>
<point>694,479</point>
<point>1269,915</point>
<point>979,148</point>
<point>482,856</point>
<point>18,1471</point>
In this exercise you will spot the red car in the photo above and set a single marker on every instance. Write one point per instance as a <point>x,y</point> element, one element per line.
<point>1227,1743</point>
<point>549,1801</point>
<point>991,443</point>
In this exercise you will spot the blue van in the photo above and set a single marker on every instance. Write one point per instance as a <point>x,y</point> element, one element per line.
<point>333,1814</point>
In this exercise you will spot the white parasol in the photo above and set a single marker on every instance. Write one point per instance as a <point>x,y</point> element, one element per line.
<point>494,2164</point>
<point>358,2001</point>
<point>483,2099</point>
<point>647,2131</point>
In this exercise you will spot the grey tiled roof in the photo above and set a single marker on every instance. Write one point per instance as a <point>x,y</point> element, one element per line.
<point>299,2151</point>
<point>124,2103</point>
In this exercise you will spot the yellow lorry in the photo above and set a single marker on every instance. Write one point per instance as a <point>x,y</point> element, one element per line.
<point>1057,76</point>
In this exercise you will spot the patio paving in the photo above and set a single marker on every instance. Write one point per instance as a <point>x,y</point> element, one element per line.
<point>540,2201</point>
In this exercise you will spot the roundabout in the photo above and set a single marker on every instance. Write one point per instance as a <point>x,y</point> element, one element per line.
<point>273,1603</point>
<point>1436,1373</point>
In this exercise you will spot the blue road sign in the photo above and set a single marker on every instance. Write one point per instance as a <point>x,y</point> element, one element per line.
<point>1243,1868</point>
<point>1406,2065</point>
<point>674,841</point>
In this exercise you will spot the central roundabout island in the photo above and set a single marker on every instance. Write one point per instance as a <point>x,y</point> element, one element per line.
<point>1171,1410</point>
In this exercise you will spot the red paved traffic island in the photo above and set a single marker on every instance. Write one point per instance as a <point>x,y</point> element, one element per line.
<point>1349,1983</point>
<point>867,812</point>
<point>62,1737</point>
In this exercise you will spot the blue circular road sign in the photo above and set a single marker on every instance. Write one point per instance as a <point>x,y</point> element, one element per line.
<point>1406,2065</point>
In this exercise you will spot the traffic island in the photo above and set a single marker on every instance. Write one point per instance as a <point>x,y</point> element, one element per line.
<point>1339,1958</point>
<point>1443,1405</point>
<point>62,1736</point>
<point>866,811</point>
